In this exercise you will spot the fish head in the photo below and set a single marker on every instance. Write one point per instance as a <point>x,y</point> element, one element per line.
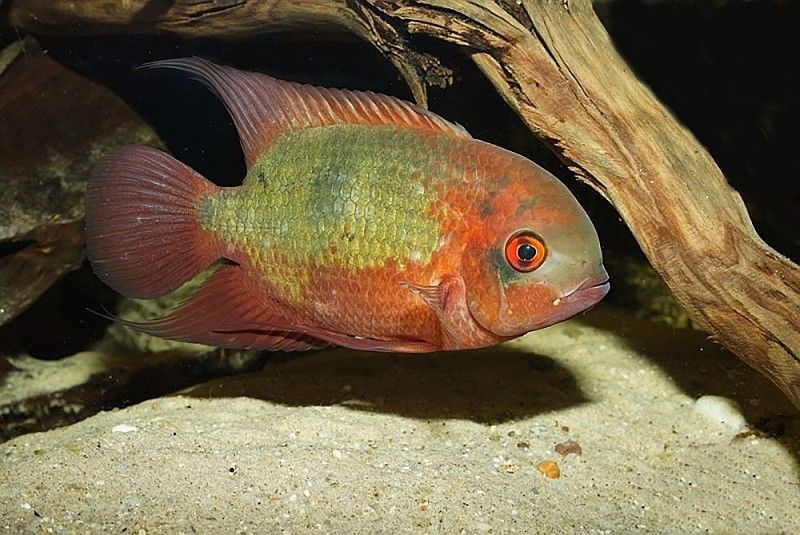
<point>533,258</point>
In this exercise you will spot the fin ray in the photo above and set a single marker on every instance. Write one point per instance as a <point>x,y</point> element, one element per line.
<point>142,234</point>
<point>224,312</point>
<point>263,107</point>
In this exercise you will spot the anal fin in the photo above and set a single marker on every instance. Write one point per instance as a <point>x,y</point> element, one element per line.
<point>373,344</point>
<point>225,312</point>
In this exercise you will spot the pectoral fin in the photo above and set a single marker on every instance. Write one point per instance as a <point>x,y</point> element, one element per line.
<point>434,296</point>
<point>443,299</point>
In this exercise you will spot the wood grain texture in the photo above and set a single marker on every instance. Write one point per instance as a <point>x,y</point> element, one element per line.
<point>554,63</point>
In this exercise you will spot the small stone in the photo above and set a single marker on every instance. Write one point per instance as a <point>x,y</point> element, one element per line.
<point>493,434</point>
<point>722,410</point>
<point>550,469</point>
<point>570,446</point>
<point>124,428</point>
<point>539,430</point>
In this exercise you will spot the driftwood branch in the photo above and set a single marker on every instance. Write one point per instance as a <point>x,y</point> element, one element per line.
<point>553,62</point>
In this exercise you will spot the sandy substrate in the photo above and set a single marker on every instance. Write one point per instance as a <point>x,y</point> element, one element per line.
<point>341,441</point>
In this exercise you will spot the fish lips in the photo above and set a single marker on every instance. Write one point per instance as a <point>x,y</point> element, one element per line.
<point>588,294</point>
<point>581,299</point>
<point>584,297</point>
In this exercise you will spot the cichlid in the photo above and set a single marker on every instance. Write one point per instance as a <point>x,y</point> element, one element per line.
<point>364,221</point>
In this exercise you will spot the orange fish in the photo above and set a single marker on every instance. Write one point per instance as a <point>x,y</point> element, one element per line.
<point>364,221</point>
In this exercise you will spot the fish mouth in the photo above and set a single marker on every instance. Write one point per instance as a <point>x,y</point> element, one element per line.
<point>581,299</point>
<point>597,281</point>
<point>588,293</point>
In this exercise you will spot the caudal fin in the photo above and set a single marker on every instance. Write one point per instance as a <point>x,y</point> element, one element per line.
<point>142,232</point>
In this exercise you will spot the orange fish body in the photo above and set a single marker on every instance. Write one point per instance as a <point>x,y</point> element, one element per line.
<point>363,221</point>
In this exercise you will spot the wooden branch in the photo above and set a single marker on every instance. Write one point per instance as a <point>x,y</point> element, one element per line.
<point>553,62</point>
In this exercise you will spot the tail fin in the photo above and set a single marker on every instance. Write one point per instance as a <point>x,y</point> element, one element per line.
<point>143,237</point>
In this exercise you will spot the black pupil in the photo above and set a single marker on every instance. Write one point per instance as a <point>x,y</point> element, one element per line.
<point>526,252</point>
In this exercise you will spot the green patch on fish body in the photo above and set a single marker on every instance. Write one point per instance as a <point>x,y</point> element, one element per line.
<point>347,196</point>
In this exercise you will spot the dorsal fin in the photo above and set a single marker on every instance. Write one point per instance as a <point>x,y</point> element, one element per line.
<point>263,107</point>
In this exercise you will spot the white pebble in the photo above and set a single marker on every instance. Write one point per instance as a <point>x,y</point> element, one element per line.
<point>722,410</point>
<point>124,428</point>
<point>539,430</point>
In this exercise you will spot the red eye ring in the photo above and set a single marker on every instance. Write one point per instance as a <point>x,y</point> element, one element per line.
<point>525,251</point>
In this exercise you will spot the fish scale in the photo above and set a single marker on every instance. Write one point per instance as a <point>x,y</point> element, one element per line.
<point>311,201</point>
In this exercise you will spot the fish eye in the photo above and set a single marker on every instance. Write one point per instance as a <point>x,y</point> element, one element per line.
<point>525,251</point>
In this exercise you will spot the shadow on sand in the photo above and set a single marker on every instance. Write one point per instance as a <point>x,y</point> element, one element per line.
<point>507,383</point>
<point>493,385</point>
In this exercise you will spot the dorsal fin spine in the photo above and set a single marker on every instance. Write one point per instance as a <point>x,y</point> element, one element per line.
<point>382,109</point>
<point>324,102</point>
<point>263,107</point>
<point>347,105</point>
<point>403,110</point>
<point>298,99</point>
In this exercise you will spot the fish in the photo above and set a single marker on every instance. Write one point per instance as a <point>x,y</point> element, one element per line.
<point>363,221</point>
